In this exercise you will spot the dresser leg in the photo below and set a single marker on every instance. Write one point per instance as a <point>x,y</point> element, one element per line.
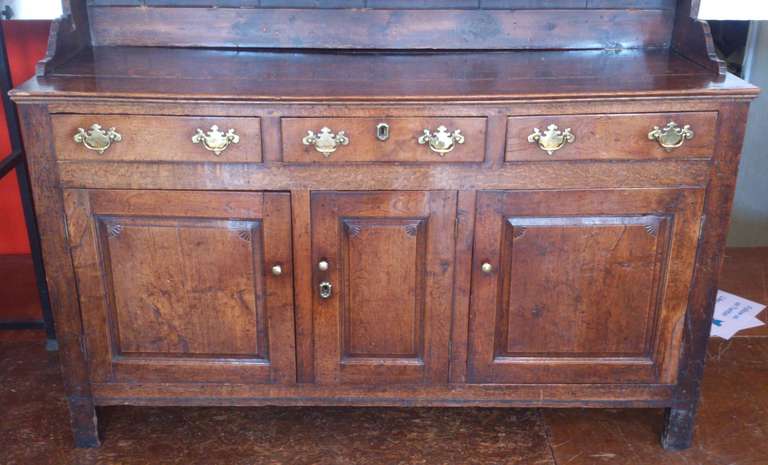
<point>84,422</point>
<point>678,428</point>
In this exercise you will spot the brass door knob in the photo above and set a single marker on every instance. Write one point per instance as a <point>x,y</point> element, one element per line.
<point>442,141</point>
<point>672,136</point>
<point>486,267</point>
<point>96,138</point>
<point>214,140</point>
<point>277,270</point>
<point>326,142</point>
<point>552,139</point>
<point>323,265</point>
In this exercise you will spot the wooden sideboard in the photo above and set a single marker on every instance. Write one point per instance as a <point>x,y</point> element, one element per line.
<point>377,202</point>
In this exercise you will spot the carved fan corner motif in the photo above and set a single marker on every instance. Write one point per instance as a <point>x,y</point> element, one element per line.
<point>652,229</point>
<point>245,234</point>
<point>114,230</point>
<point>352,229</point>
<point>411,229</point>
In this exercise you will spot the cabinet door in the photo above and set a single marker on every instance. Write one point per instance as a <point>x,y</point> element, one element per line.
<point>179,286</point>
<point>389,261</point>
<point>583,286</point>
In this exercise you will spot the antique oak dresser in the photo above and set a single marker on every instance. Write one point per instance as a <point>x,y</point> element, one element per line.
<point>513,203</point>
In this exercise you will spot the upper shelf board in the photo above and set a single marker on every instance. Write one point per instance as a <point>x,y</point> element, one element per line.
<point>173,73</point>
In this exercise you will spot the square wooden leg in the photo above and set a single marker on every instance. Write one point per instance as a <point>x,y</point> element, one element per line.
<point>678,428</point>
<point>84,422</point>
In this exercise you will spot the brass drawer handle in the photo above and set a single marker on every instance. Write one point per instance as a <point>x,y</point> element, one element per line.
<point>214,140</point>
<point>326,142</point>
<point>442,141</point>
<point>96,138</point>
<point>672,136</point>
<point>552,139</point>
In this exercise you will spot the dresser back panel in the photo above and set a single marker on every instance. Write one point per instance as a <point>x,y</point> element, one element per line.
<point>384,24</point>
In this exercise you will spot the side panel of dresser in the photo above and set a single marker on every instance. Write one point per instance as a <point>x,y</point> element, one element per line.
<point>49,210</point>
<point>678,432</point>
<point>184,286</point>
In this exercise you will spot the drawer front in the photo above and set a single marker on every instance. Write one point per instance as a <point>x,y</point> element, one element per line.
<point>367,140</point>
<point>157,138</point>
<point>609,137</point>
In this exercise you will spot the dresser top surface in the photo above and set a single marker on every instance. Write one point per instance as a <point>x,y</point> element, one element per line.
<point>182,73</point>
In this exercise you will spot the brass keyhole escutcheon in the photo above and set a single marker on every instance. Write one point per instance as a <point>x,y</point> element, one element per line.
<point>382,131</point>
<point>326,289</point>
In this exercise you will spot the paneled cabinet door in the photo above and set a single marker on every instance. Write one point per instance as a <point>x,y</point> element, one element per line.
<point>581,286</point>
<point>383,274</point>
<point>180,286</point>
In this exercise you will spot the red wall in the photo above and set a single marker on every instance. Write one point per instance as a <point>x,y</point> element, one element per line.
<point>26,42</point>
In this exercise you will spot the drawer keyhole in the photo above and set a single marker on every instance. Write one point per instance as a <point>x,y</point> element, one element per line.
<point>382,131</point>
<point>326,290</point>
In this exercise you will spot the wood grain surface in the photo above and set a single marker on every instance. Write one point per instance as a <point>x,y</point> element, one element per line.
<point>380,29</point>
<point>611,137</point>
<point>157,138</point>
<point>177,285</point>
<point>402,144</point>
<point>170,73</point>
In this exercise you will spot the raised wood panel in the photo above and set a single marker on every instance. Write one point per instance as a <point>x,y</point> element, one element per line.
<point>586,285</point>
<point>186,287</point>
<point>549,267</point>
<point>175,286</point>
<point>390,258</point>
<point>380,29</point>
<point>383,284</point>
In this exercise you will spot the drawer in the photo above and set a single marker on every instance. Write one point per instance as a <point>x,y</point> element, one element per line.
<point>157,138</point>
<point>383,140</point>
<point>610,137</point>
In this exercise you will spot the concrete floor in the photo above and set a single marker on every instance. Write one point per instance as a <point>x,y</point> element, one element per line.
<point>732,428</point>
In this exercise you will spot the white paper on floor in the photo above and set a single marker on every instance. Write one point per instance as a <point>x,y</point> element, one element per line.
<point>734,313</point>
